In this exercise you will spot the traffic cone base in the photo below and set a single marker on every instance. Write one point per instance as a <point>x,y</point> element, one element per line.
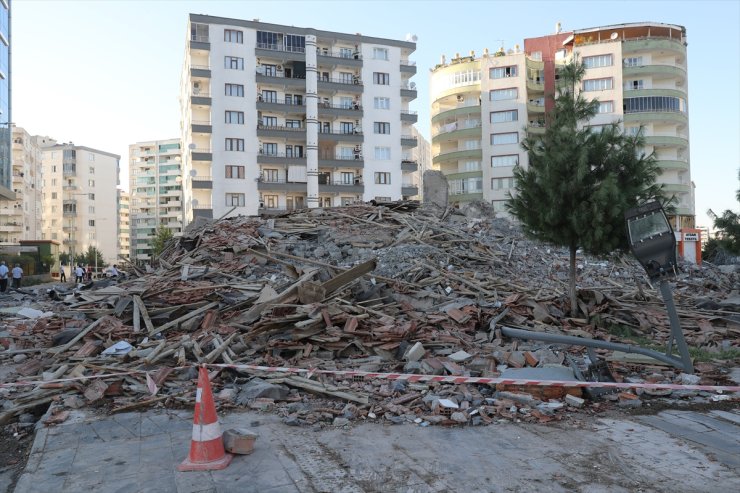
<point>207,446</point>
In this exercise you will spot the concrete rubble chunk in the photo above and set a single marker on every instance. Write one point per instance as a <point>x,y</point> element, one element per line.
<point>258,388</point>
<point>415,352</point>
<point>574,401</point>
<point>460,356</point>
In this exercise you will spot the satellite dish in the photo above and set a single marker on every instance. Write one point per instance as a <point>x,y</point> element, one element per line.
<point>614,35</point>
<point>193,172</point>
<point>412,37</point>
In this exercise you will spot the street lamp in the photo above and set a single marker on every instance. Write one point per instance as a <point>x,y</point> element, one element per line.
<point>654,245</point>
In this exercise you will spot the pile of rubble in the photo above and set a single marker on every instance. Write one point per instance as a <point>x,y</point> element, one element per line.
<point>378,288</point>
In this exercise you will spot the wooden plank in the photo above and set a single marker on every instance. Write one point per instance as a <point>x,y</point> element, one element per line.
<point>83,333</point>
<point>144,313</point>
<point>348,276</point>
<point>185,317</point>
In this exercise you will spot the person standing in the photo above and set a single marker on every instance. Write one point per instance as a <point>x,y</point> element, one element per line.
<point>62,275</point>
<point>17,276</point>
<point>79,274</point>
<point>3,277</point>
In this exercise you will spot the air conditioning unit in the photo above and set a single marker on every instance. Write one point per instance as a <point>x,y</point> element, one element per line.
<point>279,67</point>
<point>460,98</point>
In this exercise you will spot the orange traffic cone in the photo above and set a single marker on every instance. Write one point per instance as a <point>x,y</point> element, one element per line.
<point>207,446</point>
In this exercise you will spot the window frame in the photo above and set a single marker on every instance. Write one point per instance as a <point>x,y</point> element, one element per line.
<point>494,135</point>
<point>382,128</point>
<point>381,78</point>
<point>507,72</point>
<point>382,178</point>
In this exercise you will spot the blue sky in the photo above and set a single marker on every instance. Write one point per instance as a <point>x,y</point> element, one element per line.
<point>106,73</point>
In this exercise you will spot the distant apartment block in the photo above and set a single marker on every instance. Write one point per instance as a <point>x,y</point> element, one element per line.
<point>482,107</point>
<point>278,117</point>
<point>20,218</point>
<point>156,193</point>
<point>79,198</point>
<point>124,224</point>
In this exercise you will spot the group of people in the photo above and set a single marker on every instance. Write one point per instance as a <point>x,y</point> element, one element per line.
<point>16,274</point>
<point>83,274</point>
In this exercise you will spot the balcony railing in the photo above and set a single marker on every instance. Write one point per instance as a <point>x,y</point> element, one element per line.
<point>261,126</point>
<point>353,106</point>
<point>261,99</point>
<point>408,63</point>
<point>193,122</point>
<point>354,81</point>
<point>202,205</point>
<point>199,39</point>
<point>407,112</point>
<point>355,131</point>
<point>201,149</point>
<point>200,67</point>
<point>277,47</point>
<point>197,178</point>
<point>339,54</point>
<point>281,155</point>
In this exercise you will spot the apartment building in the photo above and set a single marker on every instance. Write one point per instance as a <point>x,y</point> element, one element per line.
<point>124,223</point>
<point>6,165</point>
<point>278,117</point>
<point>421,160</point>
<point>79,198</point>
<point>156,190</point>
<point>482,107</point>
<point>20,218</point>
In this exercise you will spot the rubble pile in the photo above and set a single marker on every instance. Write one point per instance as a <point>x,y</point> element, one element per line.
<point>390,288</point>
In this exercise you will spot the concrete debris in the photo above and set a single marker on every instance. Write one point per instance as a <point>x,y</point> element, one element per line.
<point>390,287</point>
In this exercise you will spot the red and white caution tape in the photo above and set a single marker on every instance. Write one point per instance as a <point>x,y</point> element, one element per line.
<point>483,380</point>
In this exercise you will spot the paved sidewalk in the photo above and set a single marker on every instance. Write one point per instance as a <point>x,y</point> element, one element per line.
<point>672,452</point>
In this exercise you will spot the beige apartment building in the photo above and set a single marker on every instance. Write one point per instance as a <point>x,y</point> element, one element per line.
<point>124,224</point>
<point>155,193</point>
<point>20,219</point>
<point>79,198</point>
<point>484,106</point>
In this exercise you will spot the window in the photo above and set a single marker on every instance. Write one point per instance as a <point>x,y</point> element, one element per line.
<point>236,172</point>
<point>91,183</point>
<point>91,222</point>
<point>53,182</point>
<point>233,63</point>
<point>598,61</point>
<point>91,196</point>
<point>598,84</point>
<point>502,183</point>
<point>381,78</point>
<point>380,53</point>
<point>53,195</point>
<point>635,61</point>
<point>383,153</point>
<point>382,103</point>
<point>346,127</point>
<point>292,123</point>
<point>346,102</point>
<point>504,116</point>
<point>348,178</point>
<point>235,199</point>
<point>654,104</point>
<point>267,40</point>
<point>606,107</point>
<point>503,72</point>
<point>271,175</point>
<point>269,149</point>
<point>536,55</point>
<point>269,121</point>
<point>199,32</point>
<point>54,168</point>
<point>634,85</point>
<point>382,127</point>
<point>382,178</point>
<point>269,96</point>
<point>269,70</point>
<point>234,90</point>
<point>293,151</point>
<point>346,77</point>
<point>471,166</point>
<point>90,156</point>
<point>295,43</point>
<point>234,117</point>
<point>504,160</point>
<point>506,138</point>
<point>91,170</point>
<point>234,145</point>
<point>503,94</point>
<point>233,36</point>
<point>346,52</point>
<point>91,209</point>
<point>470,145</point>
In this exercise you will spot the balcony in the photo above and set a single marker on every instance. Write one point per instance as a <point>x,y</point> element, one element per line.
<point>280,52</point>
<point>336,58</point>
<point>280,106</point>
<point>535,85</point>
<point>676,188</point>
<point>201,126</point>
<point>69,213</point>
<point>654,44</point>
<point>409,166</point>
<point>408,67</point>
<point>409,141</point>
<point>339,136</point>
<point>456,155</point>
<point>353,110</point>
<point>69,172</point>
<point>677,117</point>
<point>666,141</point>
<point>453,132</point>
<point>409,190</point>
<point>533,107</point>
<point>281,131</point>
<point>202,183</point>
<point>656,71</point>
<point>677,164</point>
<point>201,154</point>
<point>200,43</point>
<point>342,187</point>
<point>11,228</point>
<point>536,127</point>
<point>200,99</point>
<point>280,79</point>
<point>409,116</point>
<point>280,185</point>
<point>408,91</point>
<point>455,113</point>
<point>69,188</point>
<point>200,71</point>
<point>280,158</point>
<point>338,84</point>
<point>356,161</point>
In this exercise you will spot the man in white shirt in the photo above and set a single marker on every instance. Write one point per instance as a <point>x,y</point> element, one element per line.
<point>79,273</point>
<point>17,276</point>
<point>3,277</point>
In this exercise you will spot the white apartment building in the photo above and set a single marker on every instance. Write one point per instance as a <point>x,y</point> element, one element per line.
<point>124,223</point>
<point>421,161</point>
<point>278,117</point>
<point>483,107</point>
<point>20,219</point>
<point>155,192</point>
<point>79,198</point>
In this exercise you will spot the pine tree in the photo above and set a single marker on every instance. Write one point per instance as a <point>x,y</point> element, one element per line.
<point>160,241</point>
<point>580,181</point>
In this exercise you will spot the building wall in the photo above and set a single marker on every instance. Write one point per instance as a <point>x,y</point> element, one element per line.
<point>277,182</point>
<point>6,116</point>
<point>20,219</point>
<point>79,198</point>
<point>124,224</point>
<point>155,186</point>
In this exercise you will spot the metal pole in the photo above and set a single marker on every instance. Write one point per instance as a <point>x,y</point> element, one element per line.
<point>676,332</point>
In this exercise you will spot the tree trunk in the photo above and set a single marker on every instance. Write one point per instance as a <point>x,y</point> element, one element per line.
<point>572,283</point>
